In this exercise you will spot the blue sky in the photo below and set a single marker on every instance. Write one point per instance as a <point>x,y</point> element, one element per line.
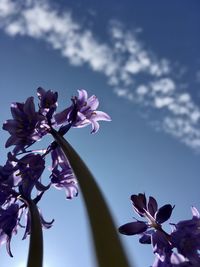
<point>142,61</point>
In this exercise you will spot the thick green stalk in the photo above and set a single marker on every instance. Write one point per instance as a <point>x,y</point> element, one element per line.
<point>108,248</point>
<point>35,255</point>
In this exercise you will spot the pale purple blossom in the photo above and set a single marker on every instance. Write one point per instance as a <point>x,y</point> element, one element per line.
<point>62,176</point>
<point>82,112</point>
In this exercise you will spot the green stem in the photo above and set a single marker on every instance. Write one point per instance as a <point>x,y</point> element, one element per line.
<point>109,250</point>
<point>35,255</point>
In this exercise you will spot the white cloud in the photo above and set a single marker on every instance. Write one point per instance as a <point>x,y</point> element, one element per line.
<point>184,130</point>
<point>142,90</point>
<point>180,117</point>
<point>122,58</point>
<point>7,7</point>
<point>120,61</point>
<point>164,86</point>
<point>161,102</point>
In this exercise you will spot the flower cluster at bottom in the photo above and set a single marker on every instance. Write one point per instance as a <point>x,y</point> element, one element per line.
<point>180,247</point>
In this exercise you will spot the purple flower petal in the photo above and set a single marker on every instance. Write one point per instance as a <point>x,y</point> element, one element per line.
<point>195,213</point>
<point>17,110</point>
<point>29,107</point>
<point>82,117</point>
<point>164,213</point>
<point>10,126</point>
<point>71,190</point>
<point>46,224</point>
<point>82,96</point>
<point>8,248</point>
<point>152,206</point>
<point>28,225</point>
<point>12,140</point>
<point>40,187</point>
<point>133,228</point>
<point>93,102</point>
<point>95,126</point>
<point>139,203</point>
<point>40,92</point>
<point>146,237</point>
<point>63,116</point>
<point>177,258</point>
<point>100,116</point>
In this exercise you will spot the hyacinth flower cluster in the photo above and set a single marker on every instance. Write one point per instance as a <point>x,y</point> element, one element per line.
<point>179,248</point>
<point>21,184</point>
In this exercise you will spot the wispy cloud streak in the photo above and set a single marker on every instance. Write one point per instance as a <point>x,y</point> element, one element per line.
<point>122,59</point>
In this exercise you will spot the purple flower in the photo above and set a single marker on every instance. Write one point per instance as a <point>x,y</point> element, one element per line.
<point>10,217</point>
<point>155,217</point>
<point>150,230</point>
<point>62,176</point>
<point>82,112</point>
<point>7,183</point>
<point>25,127</point>
<point>158,262</point>
<point>174,260</point>
<point>186,237</point>
<point>48,102</point>
<point>8,224</point>
<point>181,248</point>
<point>6,174</point>
<point>20,177</point>
<point>4,194</point>
<point>27,172</point>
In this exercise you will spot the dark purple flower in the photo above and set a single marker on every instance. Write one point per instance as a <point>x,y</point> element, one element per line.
<point>150,230</point>
<point>26,127</point>
<point>8,224</point>
<point>6,174</point>
<point>62,175</point>
<point>174,260</point>
<point>7,183</point>
<point>186,237</point>
<point>48,102</point>
<point>82,112</point>
<point>28,171</point>
<point>155,217</point>
<point>4,194</point>
<point>181,248</point>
